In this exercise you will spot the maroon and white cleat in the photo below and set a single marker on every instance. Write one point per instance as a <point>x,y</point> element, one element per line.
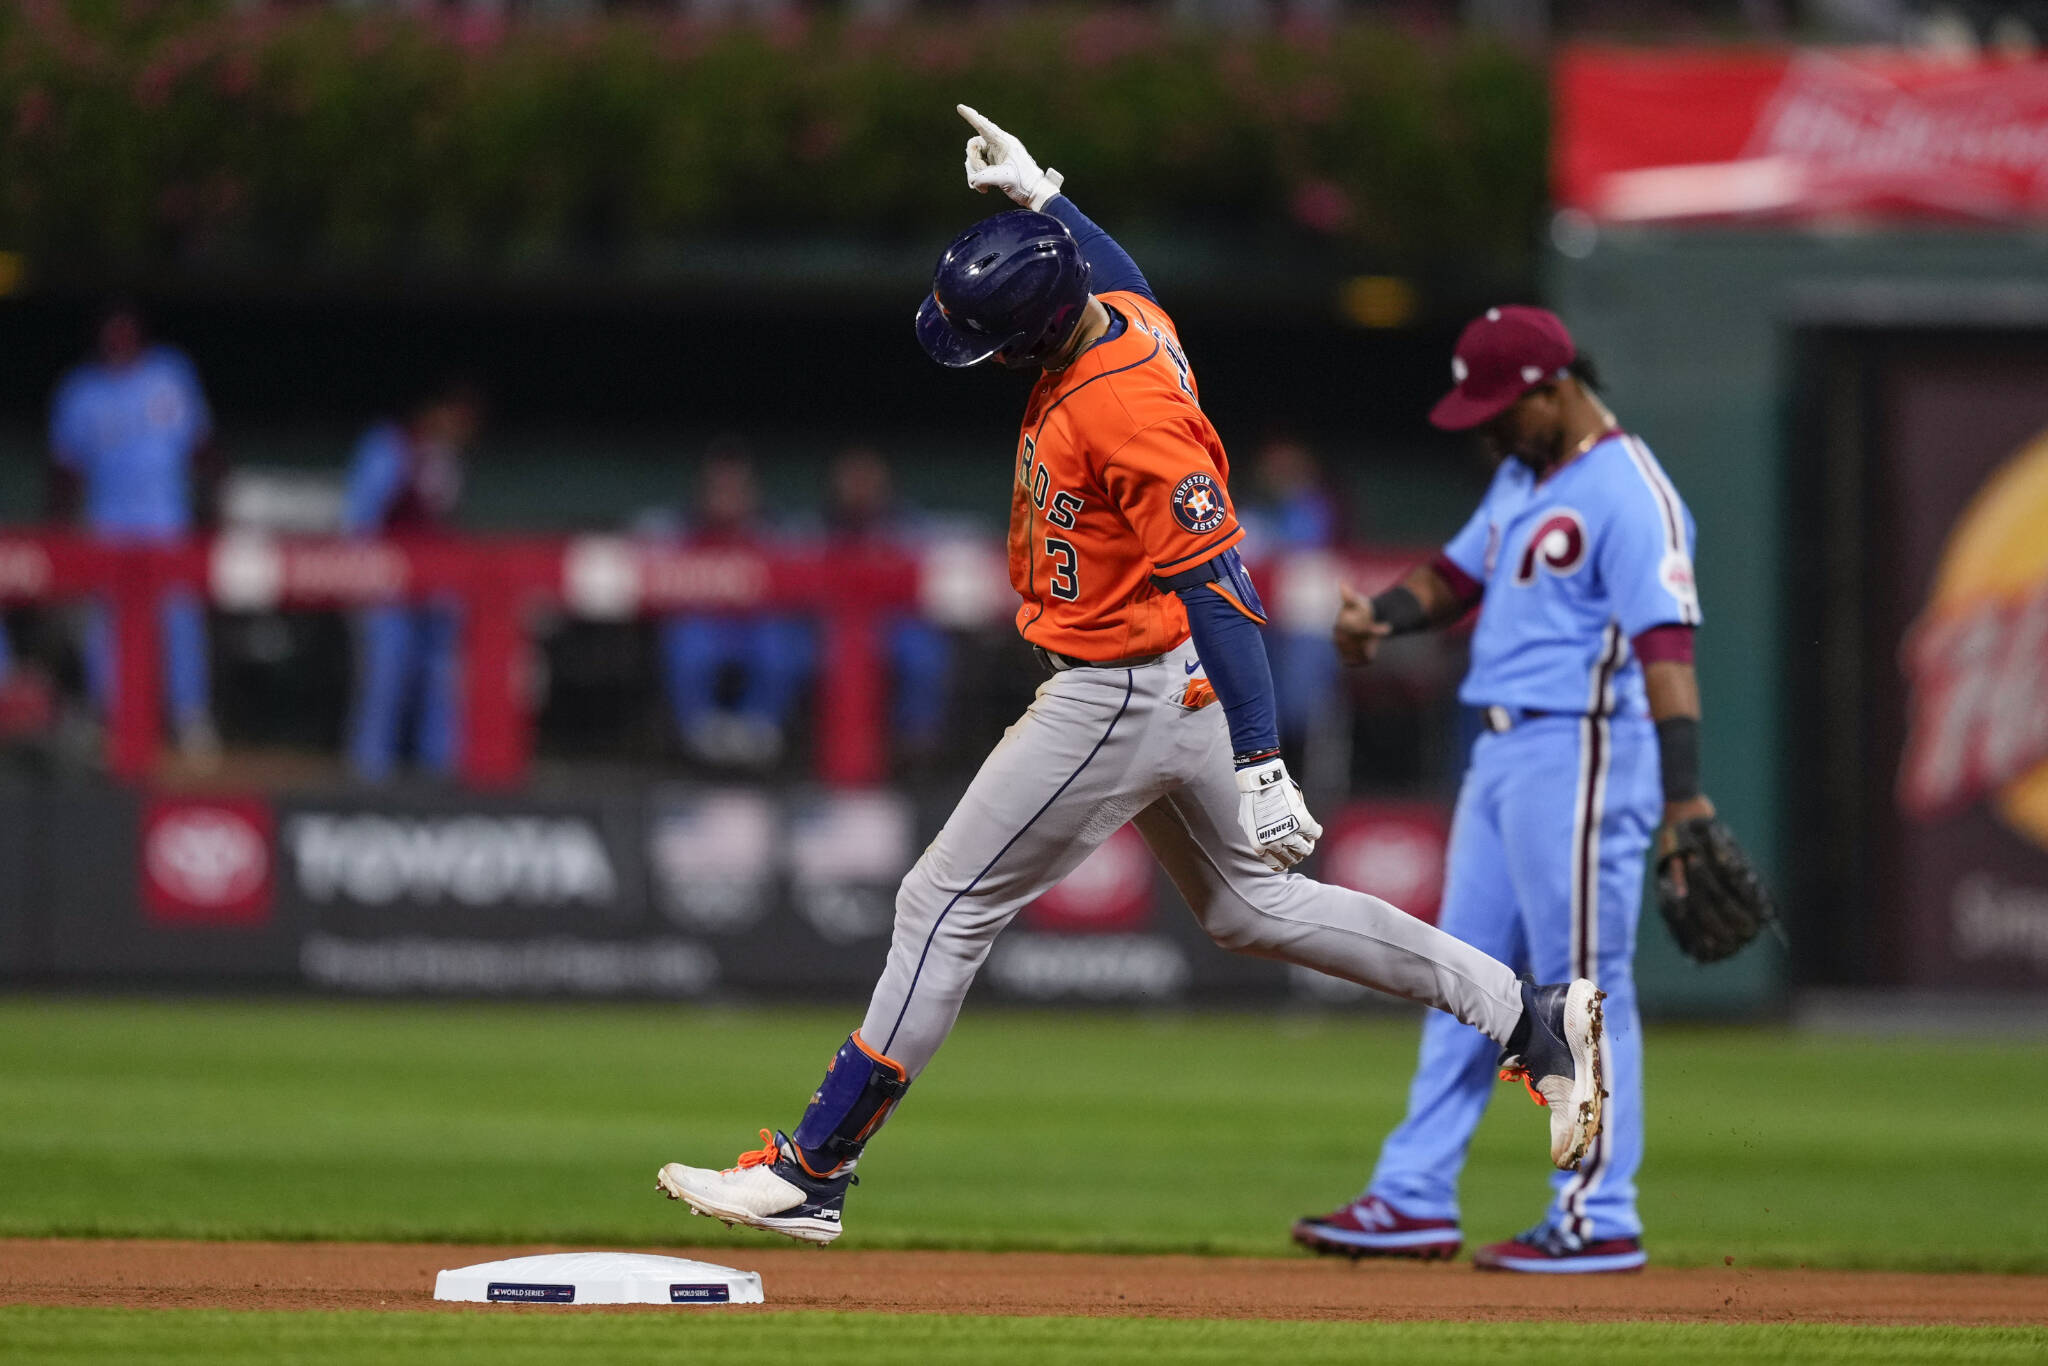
<point>1370,1227</point>
<point>1548,1250</point>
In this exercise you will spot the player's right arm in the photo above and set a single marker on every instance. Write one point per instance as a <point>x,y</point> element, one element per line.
<point>1429,596</point>
<point>997,160</point>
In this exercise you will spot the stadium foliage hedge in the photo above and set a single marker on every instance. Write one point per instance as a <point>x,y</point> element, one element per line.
<point>136,134</point>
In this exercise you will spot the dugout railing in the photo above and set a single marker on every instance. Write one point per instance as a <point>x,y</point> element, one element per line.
<point>498,586</point>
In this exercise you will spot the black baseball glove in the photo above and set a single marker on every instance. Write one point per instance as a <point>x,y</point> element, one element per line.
<point>1710,893</point>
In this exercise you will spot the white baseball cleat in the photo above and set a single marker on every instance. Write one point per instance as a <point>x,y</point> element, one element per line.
<point>1564,1064</point>
<point>768,1189</point>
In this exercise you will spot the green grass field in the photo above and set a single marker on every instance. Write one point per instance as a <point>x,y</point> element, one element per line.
<point>72,1337</point>
<point>297,1119</point>
<point>544,1123</point>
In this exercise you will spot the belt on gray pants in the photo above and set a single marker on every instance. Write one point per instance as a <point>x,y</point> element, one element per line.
<point>1059,663</point>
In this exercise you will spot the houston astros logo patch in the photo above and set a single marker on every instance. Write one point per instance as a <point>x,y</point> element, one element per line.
<point>1198,503</point>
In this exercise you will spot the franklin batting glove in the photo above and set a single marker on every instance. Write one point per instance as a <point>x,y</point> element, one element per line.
<point>997,161</point>
<point>1273,815</point>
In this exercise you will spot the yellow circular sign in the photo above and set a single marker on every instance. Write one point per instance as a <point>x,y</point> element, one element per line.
<point>1979,654</point>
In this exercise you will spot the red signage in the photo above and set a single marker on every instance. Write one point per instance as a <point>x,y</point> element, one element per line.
<point>1110,893</point>
<point>1647,136</point>
<point>207,861</point>
<point>1392,850</point>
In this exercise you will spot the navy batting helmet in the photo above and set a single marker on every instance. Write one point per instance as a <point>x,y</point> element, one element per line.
<point>1011,286</point>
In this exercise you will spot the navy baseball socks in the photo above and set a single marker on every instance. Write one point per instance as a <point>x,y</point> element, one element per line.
<point>1558,1050</point>
<point>795,1184</point>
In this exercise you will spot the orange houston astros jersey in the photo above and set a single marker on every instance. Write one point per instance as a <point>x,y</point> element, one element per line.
<point>1119,477</point>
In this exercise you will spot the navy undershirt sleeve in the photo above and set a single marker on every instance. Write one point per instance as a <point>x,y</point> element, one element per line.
<point>1112,266</point>
<point>1234,657</point>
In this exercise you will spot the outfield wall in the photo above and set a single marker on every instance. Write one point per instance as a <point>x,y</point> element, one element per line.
<point>667,891</point>
<point>1700,336</point>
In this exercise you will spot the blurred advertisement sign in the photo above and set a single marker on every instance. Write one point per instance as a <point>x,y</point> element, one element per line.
<point>1391,850</point>
<point>1978,659</point>
<point>137,885</point>
<point>1083,940</point>
<point>847,853</point>
<point>1110,893</point>
<point>206,861</point>
<point>1673,134</point>
<point>1977,716</point>
<point>435,863</point>
<point>252,572</point>
<point>466,860</point>
<point>713,857</point>
<point>485,967</point>
<point>432,893</point>
<point>1107,967</point>
<point>1962,659</point>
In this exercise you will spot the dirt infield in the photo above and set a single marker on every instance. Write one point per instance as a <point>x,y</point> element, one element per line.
<point>151,1274</point>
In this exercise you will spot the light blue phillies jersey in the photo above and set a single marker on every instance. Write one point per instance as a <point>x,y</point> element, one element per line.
<point>1575,567</point>
<point>130,434</point>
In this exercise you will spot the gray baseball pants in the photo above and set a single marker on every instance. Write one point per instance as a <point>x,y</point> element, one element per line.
<point>1097,748</point>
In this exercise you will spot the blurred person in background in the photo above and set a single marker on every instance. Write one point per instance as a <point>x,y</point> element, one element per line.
<point>405,479</point>
<point>1294,509</point>
<point>27,701</point>
<point>863,513</point>
<point>130,438</point>
<point>732,677</point>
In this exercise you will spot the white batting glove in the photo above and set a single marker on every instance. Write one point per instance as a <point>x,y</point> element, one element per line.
<point>997,161</point>
<point>1274,817</point>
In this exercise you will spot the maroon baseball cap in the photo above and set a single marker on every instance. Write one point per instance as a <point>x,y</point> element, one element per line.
<point>1501,355</point>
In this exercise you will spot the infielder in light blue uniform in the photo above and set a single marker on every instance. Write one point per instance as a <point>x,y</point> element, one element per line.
<point>1579,560</point>
<point>126,428</point>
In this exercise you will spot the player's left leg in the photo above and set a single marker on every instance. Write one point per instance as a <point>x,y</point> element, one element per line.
<point>1081,760</point>
<point>921,660</point>
<point>1575,856</point>
<point>1597,1203</point>
<point>186,686</point>
<point>97,656</point>
<point>439,637</point>
<point>384,670</point>
<point>695,650</point>
<point>780,655</point>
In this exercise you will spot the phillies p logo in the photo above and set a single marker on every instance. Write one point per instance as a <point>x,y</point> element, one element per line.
<point>1559,546</point>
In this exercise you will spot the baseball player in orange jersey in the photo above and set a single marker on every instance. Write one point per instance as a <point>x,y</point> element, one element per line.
<point>1158,711</point>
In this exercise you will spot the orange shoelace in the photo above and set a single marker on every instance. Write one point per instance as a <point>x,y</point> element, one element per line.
<point>1520,1074</point>
<point>761,1156</point>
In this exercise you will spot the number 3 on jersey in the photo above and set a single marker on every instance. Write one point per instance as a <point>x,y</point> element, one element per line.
<point>1065,585</point>
<point>1066,582</point>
